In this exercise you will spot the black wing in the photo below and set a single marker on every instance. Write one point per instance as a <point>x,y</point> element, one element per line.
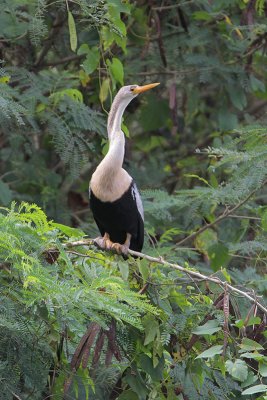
<point>124,215</point>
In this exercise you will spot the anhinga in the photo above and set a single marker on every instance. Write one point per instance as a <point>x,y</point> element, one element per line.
<point>114,198</point>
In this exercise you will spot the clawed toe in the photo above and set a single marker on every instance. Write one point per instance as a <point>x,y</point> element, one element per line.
<point>124,249</point>
<point>105,243</point>
<point>120,248</point>
<point>116,247</point>
<point>100,242</point>
<point>108,244</point>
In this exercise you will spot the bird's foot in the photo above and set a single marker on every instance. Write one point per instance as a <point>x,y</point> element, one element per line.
<point>120,248</point>
<point>104,242</point>
<point>123,248</point>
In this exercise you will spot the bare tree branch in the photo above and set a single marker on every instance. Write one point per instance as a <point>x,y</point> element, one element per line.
<point>189,272</point>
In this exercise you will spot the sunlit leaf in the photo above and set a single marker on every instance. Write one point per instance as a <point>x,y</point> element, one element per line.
<point>208,328</point>
<point>263,368</point>
<point>238,369</point>
<point>83,49</point>
<point>4,79</point>
<point>143,268</point>
<point>116,69</point>
<point>251,379</point>
<point>74,94</point>
<point>125,130</point>
<point>253,356</point>
<point>197,177</point>
<point>255,389</point>
<point>69,231</point>
<point>218,255</point>
<point>202,16</point>
<point>249,345</point>
<point>91,61</point>
<point>151,329</point>
<point>254,321</point>
<point>124,270</point>
<point>84,78</point>
<point>211,352</point>
<point>104,90</point>
<point>226,275</point>
<point>205,240</point>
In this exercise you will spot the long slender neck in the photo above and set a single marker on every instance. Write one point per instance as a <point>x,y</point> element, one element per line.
<point>110,180</point>
<point>115,155</point>
<point>115,115</point>
<point>114,158</point>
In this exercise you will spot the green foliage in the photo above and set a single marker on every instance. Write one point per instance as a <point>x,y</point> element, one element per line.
<point>42,296</point>
<point>198,152</point>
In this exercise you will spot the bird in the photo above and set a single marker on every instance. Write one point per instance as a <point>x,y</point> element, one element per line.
<point>114,198</point>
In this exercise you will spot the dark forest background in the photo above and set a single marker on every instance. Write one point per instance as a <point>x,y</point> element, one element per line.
<point>78,323</point>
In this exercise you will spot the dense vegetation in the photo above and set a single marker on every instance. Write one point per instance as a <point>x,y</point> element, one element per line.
<point>79,323</point>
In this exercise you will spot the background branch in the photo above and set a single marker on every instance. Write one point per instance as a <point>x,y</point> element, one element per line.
<point>225,214</point>
<point>64,60</point>
<point>191,273</point>
<point>57,25</point>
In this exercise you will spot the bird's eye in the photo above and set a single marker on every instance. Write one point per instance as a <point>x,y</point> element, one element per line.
<point>132,88</point>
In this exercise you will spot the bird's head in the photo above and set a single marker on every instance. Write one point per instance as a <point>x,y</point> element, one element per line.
<point>124,96</point>
<point>130,91</point>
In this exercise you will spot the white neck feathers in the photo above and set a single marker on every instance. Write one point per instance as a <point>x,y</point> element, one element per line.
<point>110,180</point>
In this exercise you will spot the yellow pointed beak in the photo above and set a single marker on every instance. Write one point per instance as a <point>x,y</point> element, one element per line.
<point>141,89</point>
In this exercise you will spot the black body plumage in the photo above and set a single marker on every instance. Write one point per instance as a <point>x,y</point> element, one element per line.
<point>120,217</point>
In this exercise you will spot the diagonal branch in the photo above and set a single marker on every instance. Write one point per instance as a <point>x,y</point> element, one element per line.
<point>64,60</point>
<point>160,41</point>
<point>226,313</point>
<point>222,216</point>
<point>191,273</point>
<point>57,25</point>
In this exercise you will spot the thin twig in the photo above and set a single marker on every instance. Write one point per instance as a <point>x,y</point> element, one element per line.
<point>226,313</point>
<point>16,396</point>
<point>160,41</point>
<point>221,217</point>
<point>64,60</point>
<point>160,8</point>
<point>247,258</point>
<point>244,217</point>
<point>83,242</point>
<point>15,39</point>
<point>191,273</point>
<point>83,255</point>
<point>144,288</point>
<point>78,254</point>
<point>181,71</point>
